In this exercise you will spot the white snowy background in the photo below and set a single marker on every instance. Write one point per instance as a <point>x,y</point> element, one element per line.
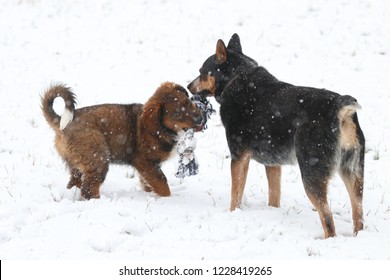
<point>119,52</point>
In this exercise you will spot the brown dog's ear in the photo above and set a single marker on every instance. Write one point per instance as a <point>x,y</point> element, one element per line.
<point>221,52</point>
<point>180,88</point>
<point>151,116</point>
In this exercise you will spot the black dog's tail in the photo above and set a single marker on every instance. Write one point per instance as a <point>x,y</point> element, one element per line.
<point>349,125</point>
<point>346,108</point>
<point>55,121</point>
<point>348,101</point>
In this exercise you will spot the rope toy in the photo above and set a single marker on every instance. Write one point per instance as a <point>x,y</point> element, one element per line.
<point>188,163</point>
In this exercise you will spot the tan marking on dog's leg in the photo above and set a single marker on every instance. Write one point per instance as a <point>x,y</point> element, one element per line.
<point>274,174</point>
<point>320,203</point>
<point>239,172</point>
<point>354,184</point>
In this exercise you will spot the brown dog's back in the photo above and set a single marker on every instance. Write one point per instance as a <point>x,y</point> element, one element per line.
<point>114,124</point>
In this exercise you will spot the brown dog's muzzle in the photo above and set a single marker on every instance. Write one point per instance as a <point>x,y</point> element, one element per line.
<point>198,119</point>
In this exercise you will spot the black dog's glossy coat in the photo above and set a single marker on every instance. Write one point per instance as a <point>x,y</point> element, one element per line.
<point>277,123</point>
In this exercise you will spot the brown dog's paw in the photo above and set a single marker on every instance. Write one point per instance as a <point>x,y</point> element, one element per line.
<point>163,192</point>
<point>89,193</point>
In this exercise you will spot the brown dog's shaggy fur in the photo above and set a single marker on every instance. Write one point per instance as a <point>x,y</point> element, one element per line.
<point>90,138</point>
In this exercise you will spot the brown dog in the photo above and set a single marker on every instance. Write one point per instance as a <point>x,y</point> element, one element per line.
<point>90,138</point>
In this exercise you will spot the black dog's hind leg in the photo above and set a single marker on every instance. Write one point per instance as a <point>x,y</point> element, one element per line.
<point>354,183</point>
<point>317,193</point>
<point>352,166</point>
<point>317,159</point>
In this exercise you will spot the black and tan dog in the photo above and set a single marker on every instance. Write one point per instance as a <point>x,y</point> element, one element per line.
<point>90,138</point>
<point>276,123</point>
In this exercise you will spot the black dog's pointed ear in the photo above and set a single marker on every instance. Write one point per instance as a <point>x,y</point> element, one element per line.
<point>235,43</point>
<point>221,52</point>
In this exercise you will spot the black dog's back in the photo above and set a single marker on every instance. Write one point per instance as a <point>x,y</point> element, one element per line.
<point>263,115</point>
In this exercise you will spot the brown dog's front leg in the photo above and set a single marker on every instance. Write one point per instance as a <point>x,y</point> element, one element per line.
<point>153,176</point>
<point>239,171</point>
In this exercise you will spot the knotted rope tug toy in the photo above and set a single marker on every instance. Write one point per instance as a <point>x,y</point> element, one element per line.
<point>188,163</point>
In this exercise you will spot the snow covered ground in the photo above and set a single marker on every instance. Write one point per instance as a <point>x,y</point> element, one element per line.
<point>119,52</point>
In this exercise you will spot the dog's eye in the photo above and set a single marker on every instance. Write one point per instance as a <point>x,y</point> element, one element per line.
<point>176,115</point>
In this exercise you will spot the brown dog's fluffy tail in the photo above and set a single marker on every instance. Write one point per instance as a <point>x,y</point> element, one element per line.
<point>54,120</point>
